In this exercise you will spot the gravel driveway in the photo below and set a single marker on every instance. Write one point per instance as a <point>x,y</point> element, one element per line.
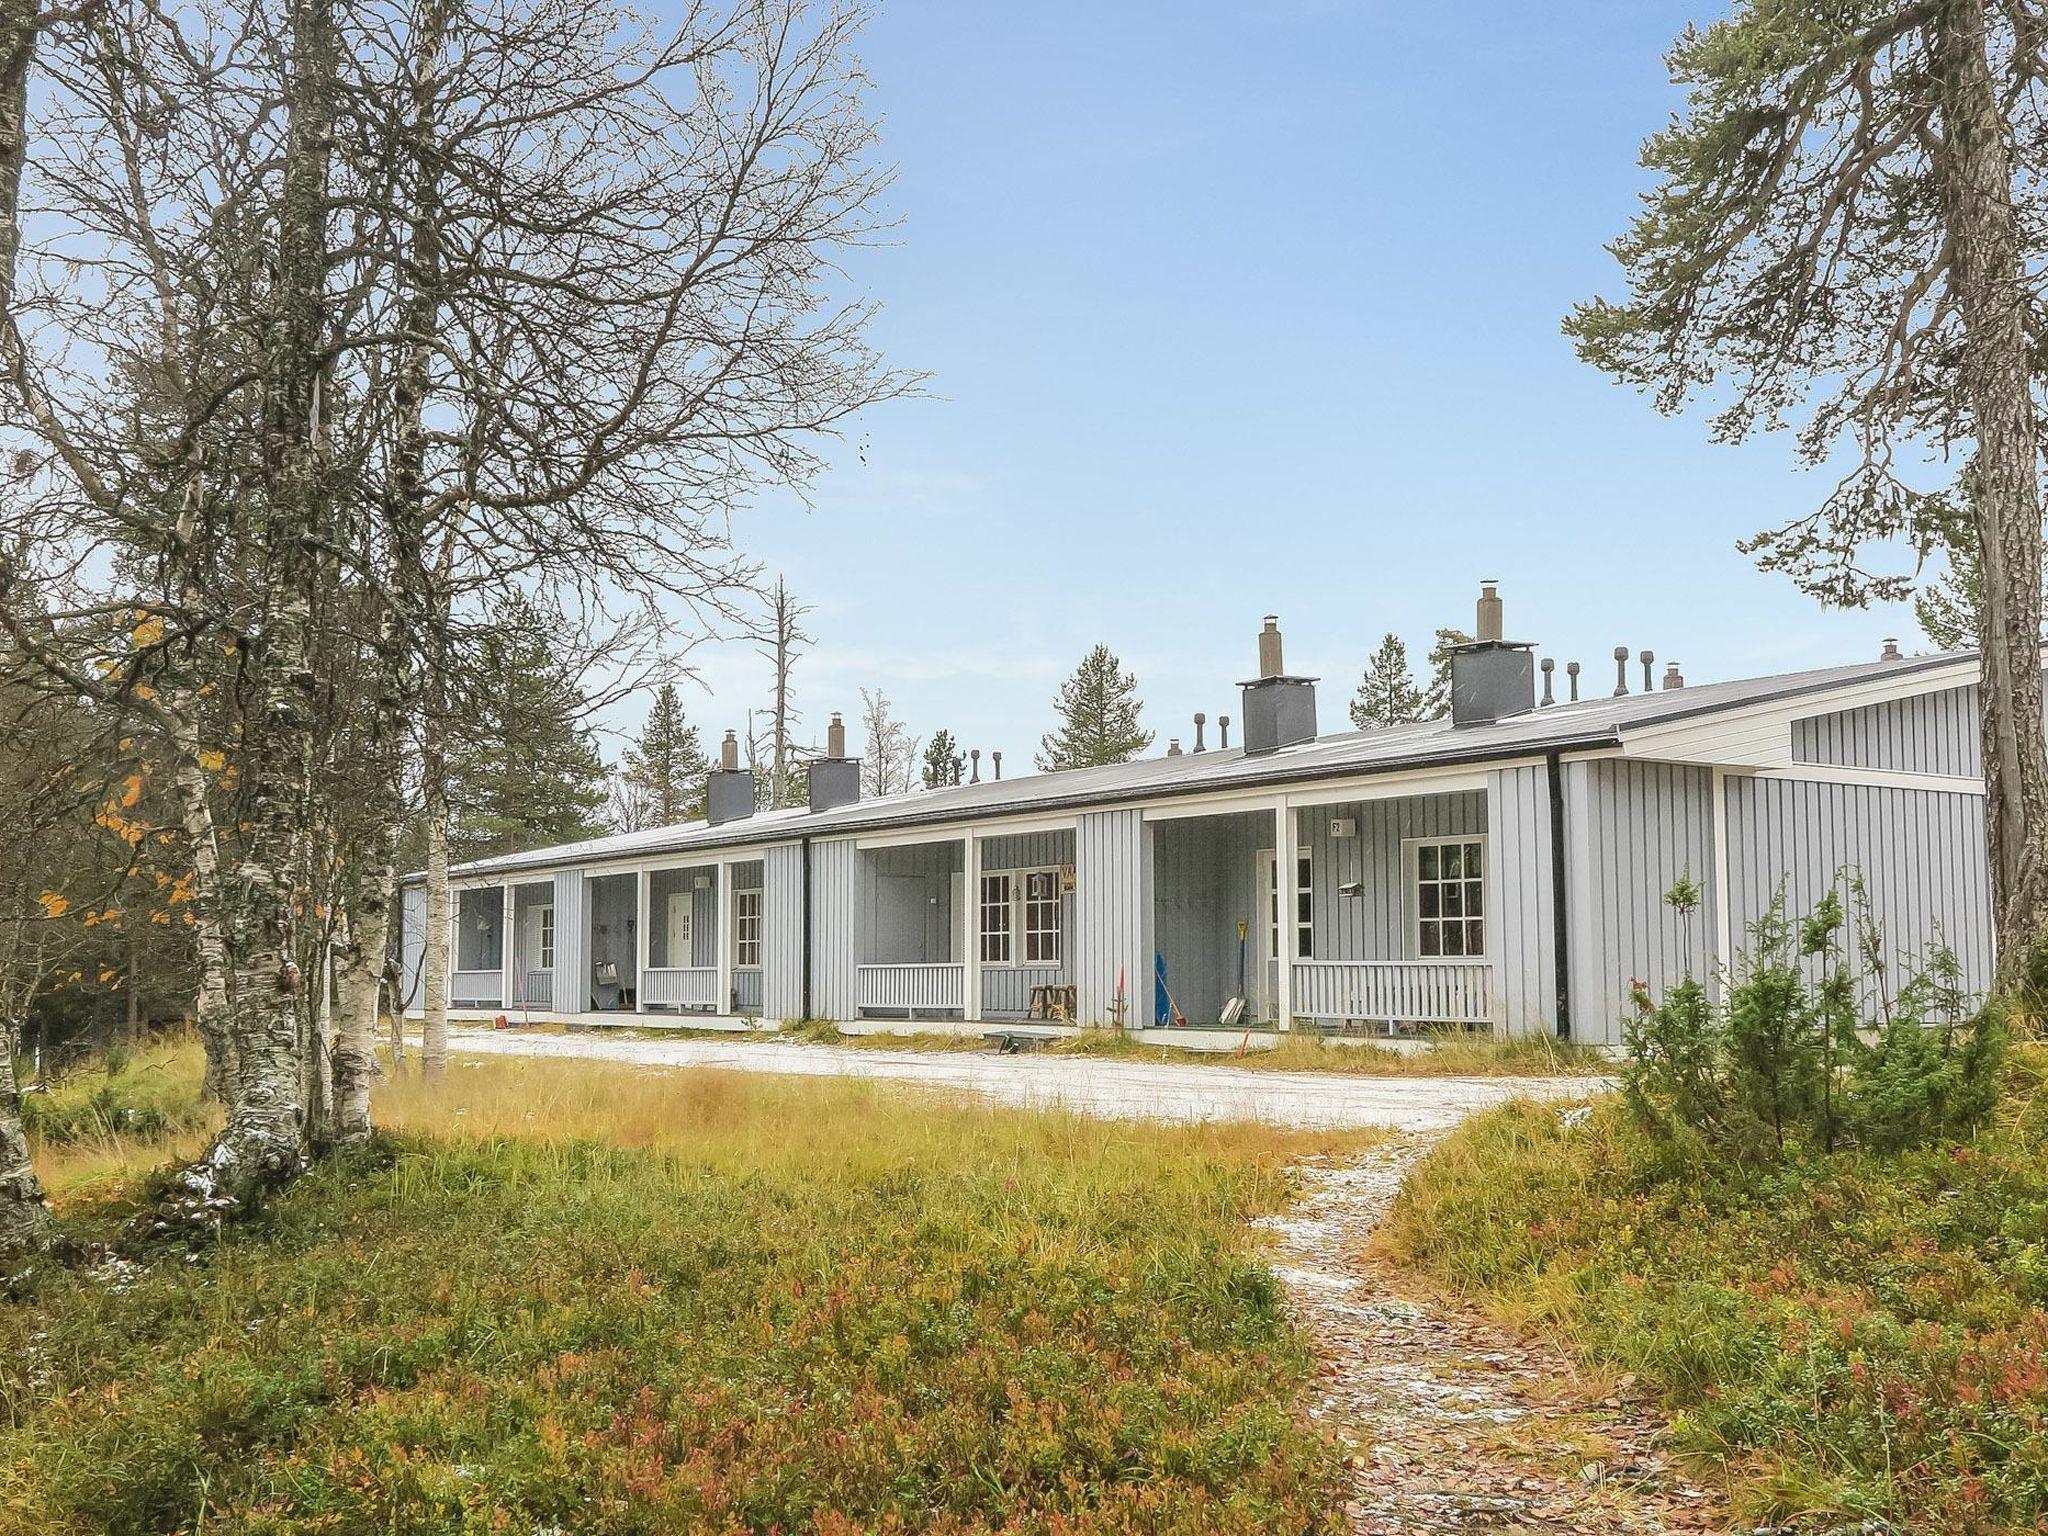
<point>1139,1090</point>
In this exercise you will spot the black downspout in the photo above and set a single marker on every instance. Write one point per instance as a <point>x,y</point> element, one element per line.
<point>807,929</point>
<point>1559,908</point>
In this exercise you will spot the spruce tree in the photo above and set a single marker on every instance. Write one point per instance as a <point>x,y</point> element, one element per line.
<point>1099,711</point>
<point>524,771</point>
<point>944,763</point>
<point>1387,695</point>
<point>667,767</point>
<point>1437,702</point>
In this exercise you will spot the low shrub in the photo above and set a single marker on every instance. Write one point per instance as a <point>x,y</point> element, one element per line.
<point>601,1300</point>
<point>1861,1336</point>
<point>1808,1046</point>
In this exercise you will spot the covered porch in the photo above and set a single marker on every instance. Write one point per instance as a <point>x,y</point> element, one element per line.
<point>704,939</point>
<point>1363,916</point>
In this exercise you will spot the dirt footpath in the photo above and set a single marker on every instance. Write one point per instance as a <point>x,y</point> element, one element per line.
<point>1136,1090</point>
<point>1451,1424</point>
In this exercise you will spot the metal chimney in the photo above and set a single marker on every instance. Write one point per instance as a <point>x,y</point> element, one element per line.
<point>729,792</point>
<point>835,777</point>
<point>1648,659</point>
<point>1270,664</point>
<point>1571,671</point>
<point>1491,677</point>
<point>1223,733</point>
<point>974,756</point>
<point>1200,721</point>
<point>1549,667</point>
<point>1486,625</point>
<point>1279,711</point>
<point>997,759</point>
<point>1620,671</point>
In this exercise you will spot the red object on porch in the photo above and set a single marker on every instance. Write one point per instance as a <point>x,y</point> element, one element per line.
<point>499,1022</point>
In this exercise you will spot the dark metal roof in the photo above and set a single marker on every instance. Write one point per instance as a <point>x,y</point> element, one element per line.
<point>1588,724</point>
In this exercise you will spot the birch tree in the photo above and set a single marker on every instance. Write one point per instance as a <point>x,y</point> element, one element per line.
<point>1847,237</point>
<point>343,326</point>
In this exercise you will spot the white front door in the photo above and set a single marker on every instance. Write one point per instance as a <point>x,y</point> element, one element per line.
<point>1265,999</point>
<point>682,912</point>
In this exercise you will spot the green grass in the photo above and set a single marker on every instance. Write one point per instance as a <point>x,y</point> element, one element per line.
<point>1450,1055</point>
<point>1859,1337</point>
<point>596,1300</point>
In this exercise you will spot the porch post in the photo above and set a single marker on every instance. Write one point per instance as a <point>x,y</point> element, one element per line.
<point>724,938</point>
<point>1286,842</point>
<point>508,908</point>
<point>454,935</point>
<point>642,922</point>
<point>970,1008</point>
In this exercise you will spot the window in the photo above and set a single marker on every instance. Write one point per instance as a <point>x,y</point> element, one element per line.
<point>1450,898</point>
<point>544,939</point>
<point>1304,909</point>
<point>746,927</point>
<point>995,919</point>
<point>1042,917</point>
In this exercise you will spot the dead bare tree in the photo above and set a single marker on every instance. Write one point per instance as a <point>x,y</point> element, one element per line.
<point>785,641</point>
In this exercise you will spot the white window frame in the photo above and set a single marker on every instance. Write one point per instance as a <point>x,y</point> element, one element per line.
<point>746,928</point>
<point>1058,929</point>
<point>1411,862</point>
<point>1003,952</point>
<point>544,937</point>
<point>1304,925</point>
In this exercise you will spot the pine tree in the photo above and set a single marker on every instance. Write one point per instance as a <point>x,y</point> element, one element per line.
<point>1099,712</point>
<point>1843,240</point>
<point>1437,703</point>
<point>1387,695</point>
<point>666,767</point>
<point>944,762</point>
<point>525,771</point>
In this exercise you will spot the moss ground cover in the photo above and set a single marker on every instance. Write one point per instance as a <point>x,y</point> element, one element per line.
<point>587,1299</point>
<point>1861,1336</point>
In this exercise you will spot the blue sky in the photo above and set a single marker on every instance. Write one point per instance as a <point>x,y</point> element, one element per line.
<point>1232,310</point>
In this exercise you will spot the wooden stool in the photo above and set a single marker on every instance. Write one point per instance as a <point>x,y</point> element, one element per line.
<point>1051,1002</point>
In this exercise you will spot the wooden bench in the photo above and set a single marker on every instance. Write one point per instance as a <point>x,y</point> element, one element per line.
<point>1055,1003</point>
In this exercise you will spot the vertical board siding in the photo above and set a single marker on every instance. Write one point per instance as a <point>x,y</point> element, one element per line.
<point>572,964</point>
<point>1113,915</point>
<point>1635,829</point>
<point>412,943</point>
<point>835,927</point>
<point>613,904</point>
<point>1007,988</point>
<point>1521,887</point>
<point>782,932</point>
<point>906,895</point>
<point>1920,853</point>
<point>1374,925</point>
<point>1933,733</point>
<point>1203,881</point>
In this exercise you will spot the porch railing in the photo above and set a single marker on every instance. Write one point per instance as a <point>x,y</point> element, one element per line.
<point>476,986</point>
<point>746,986</point>
<point>680,986</point>
<point>533,989</point>
<point>1395,991</point>
<point>913,988</point>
